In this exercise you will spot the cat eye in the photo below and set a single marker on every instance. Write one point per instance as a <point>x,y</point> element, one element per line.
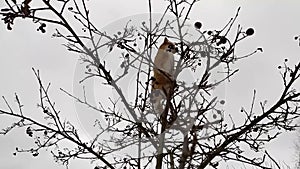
<point>171,46</point>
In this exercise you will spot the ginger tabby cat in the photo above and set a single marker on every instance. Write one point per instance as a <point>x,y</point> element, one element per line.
<point>163,78</point>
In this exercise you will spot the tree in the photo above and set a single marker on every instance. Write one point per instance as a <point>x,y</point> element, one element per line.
<point>193,131</point>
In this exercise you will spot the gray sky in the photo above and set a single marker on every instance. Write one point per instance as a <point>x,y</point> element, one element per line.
<point>275,24</point>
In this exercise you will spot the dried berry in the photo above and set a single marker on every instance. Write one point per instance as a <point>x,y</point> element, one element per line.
<point>223,40</point>
<point>214,116</point>
<point>198,25</point>
<point>222,102</point>
<point>250,31</point>
<point>29,131</point>
<point>260,49</point>
<point>35,154</point>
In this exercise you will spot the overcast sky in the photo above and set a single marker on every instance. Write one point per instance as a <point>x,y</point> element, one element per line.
<point>275,24</point>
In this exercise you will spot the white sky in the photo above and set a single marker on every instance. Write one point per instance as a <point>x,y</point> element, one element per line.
<point>275,24</point>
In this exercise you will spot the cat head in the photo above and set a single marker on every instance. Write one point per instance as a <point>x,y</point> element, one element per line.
<point>168,46</point>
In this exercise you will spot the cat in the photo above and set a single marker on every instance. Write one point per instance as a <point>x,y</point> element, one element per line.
<point>163,70</point>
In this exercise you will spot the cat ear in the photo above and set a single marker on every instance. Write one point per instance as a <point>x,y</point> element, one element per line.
<point>166,40</point>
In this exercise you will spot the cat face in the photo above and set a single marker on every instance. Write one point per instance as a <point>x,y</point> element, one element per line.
<point>168,46</point>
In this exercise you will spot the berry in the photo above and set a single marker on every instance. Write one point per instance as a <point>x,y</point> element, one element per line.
<point>198,25</point>
<point>250,31</point>
<point>223,40</point>
<point>214,116</point>
<point>260,49</point>
<point>222,102</point>
<point>9,27</point>
<point>35,154</point>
